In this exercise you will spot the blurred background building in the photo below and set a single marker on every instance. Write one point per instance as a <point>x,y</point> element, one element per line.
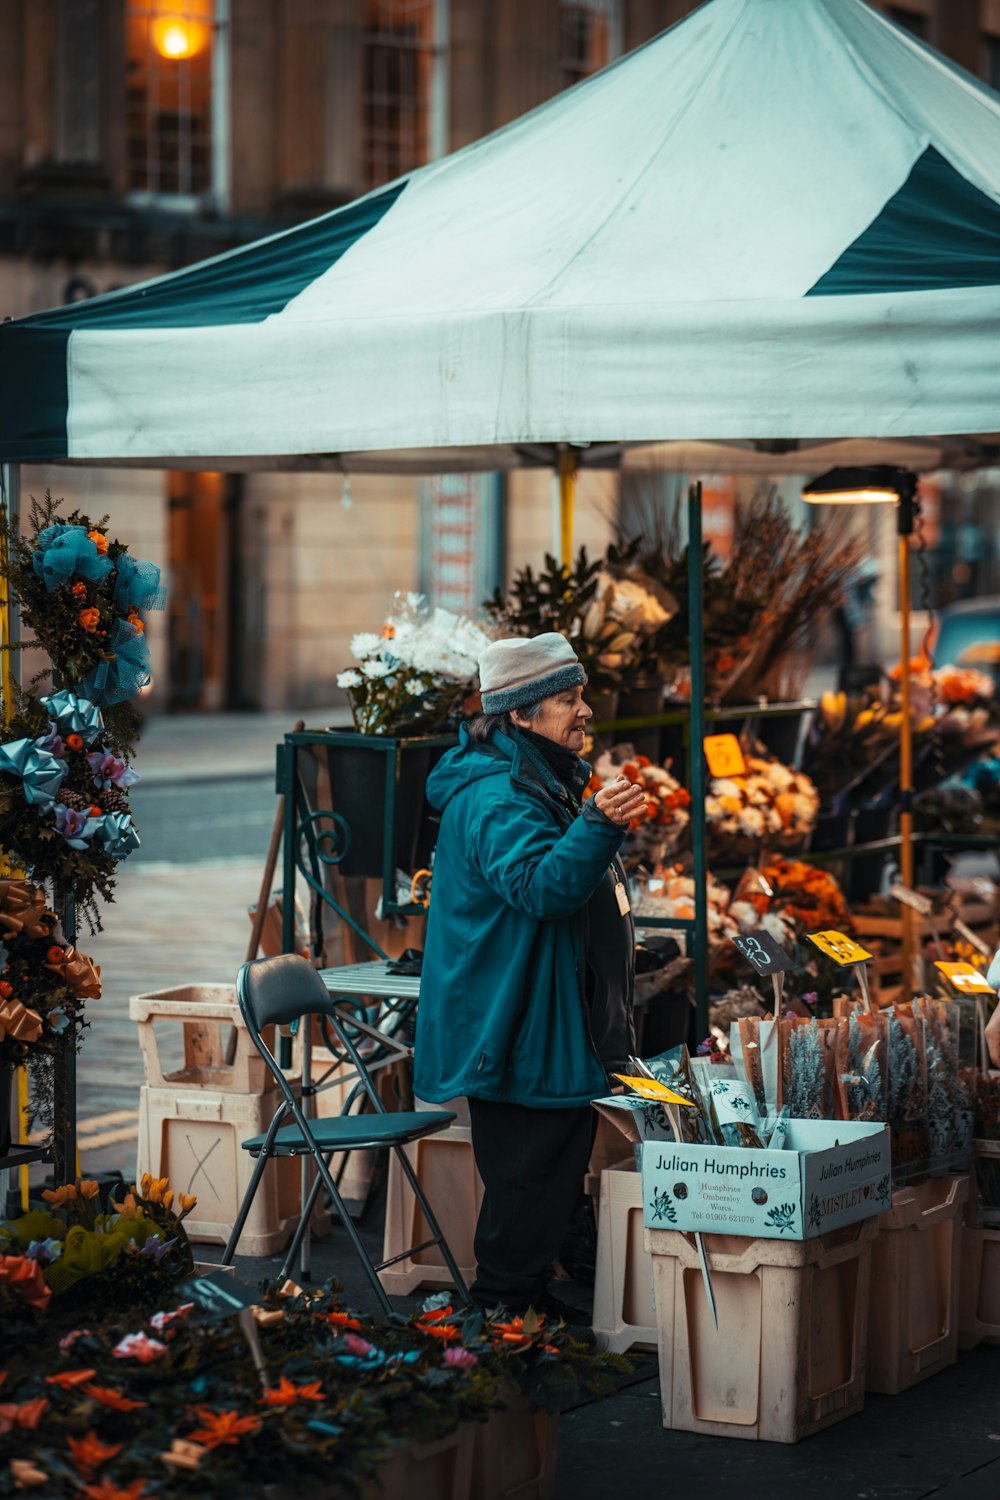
<point>138,136</point>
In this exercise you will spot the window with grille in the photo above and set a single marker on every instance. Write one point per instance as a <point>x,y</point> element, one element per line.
<point>171,111</point>
<point>588,31</point>
<point>404,105</point>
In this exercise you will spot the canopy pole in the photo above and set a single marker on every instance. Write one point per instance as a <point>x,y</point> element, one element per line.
<point>904,518</point>
<point>568,465</point>
<point>697,939</point>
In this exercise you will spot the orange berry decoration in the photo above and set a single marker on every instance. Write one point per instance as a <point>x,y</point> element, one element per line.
<point>54,955</point>
<point>6,990</point>
<point>79,589</point>
<point>99,540</point>
<point>74,741</point>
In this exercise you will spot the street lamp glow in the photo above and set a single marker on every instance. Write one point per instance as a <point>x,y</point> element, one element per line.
<point>176,38</point>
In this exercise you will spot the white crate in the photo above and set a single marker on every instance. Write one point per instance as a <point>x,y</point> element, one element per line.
<point>624,1307</point>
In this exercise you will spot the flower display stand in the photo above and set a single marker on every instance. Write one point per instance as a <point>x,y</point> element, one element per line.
<point>446,1169</point>
<point>624,1306</point>
<point>440,1470</point>
<point>913,1323</point>
<point>514,1454</point>
<point>788,1356</point>
<point>192,1120</point>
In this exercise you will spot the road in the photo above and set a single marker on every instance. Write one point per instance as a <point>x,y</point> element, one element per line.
<point>184,822</point>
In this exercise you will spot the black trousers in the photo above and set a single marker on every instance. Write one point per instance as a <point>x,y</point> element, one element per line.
<point>532,1163</point>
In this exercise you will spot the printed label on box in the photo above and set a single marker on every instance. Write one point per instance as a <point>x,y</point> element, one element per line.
<point>830,1173</point>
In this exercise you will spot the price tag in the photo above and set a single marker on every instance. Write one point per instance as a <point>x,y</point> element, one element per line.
<point>724,756</point>
<point>767,956</point>
<point>838,946</point>
<point>652,1088</point>
<point>966,979</point>
<point>972,938</point>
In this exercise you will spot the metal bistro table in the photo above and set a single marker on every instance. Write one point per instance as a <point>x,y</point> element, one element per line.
<point>381,1045</point>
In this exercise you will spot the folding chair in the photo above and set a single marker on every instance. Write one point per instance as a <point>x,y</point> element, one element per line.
<point>275,992</point>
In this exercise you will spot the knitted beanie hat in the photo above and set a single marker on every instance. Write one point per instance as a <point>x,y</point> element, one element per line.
<point>523,670</point>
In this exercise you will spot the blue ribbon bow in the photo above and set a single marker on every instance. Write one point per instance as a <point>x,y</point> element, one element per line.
<point>74,715</point>
<point>65,550</point>
<point>137,585</point>
<point>41,772</point>
<point>124,672</point>
<point>115,834</point>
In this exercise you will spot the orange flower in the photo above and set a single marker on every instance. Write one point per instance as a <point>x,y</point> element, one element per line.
<point>89,1453</point>
<point>342,1320</point>
<point>187,1202</point>
<point>89,619</point>
<point>153,1188</point>
<point>66,1379</point>
<point>136,623</point>
<point>549,1349</point>
<point>79,589</point>
<point>105,1396</point>
<point>60,1195</point>
<point>74,742</point>
<point>441,1331</point>
<point>287,1393</point>
<point>221,1427</point>
<point>99,540</point>
<point>437,1314</point>
<point>108,1491</point>
<point>26,1414</point>
<point>387,632</point>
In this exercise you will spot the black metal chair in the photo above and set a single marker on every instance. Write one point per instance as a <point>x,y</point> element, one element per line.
<point>276,992</point>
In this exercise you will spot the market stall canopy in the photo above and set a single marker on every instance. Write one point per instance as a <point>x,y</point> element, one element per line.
<point>779,219</point>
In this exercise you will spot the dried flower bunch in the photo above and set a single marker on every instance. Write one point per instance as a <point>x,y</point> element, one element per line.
<point>761,606</point>
<point>415,674</point>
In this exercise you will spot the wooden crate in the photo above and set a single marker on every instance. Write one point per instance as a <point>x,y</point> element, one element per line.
<point>878,921</point>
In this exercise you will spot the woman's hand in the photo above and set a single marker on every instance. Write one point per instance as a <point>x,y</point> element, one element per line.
<point>620,800</point>
<point>993,1037</point>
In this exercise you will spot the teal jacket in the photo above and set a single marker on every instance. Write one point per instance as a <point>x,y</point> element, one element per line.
<point>502,1013</point>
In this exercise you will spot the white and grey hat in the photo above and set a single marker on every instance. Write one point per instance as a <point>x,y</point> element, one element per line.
<point>522,670</point>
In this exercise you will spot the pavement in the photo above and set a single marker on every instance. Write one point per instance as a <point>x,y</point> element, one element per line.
<point>178,921</point>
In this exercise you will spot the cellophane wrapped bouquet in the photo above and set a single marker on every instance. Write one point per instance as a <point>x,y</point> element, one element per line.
<point>413,676</point>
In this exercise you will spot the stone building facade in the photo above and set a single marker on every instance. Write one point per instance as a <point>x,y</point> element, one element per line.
<point>137,136</point>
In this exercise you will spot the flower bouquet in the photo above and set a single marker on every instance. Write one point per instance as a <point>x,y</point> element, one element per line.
<point>770,805</point>
<point>416,674</point>
<point>64,811</point>
<point>82,595</point>
<point>669,892</point>
<point>660,828</point>
<point>129,1255</point>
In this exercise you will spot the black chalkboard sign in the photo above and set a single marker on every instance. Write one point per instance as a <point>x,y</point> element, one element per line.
<point>767,956</point>
<point>219,1295</point>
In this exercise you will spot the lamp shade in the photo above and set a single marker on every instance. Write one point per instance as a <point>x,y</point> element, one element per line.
<point>877,484</point>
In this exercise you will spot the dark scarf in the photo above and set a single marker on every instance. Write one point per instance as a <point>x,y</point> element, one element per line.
<point>565,765</point>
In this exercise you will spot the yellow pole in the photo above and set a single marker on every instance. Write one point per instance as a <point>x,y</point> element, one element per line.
<point>567,502</point>
<point>905,759</point>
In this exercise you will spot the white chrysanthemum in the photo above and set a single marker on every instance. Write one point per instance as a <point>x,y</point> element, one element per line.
<point>751,822</point>
<point>713,809</point>
<point>772,820</point>
<point>744,914</point>
<point>759,789</point>
<point>776,926</point>
<point>804,810</point>
<point>349,679</point>
<point>377,669</point>
<point>416,688</point>
<point>366,644</point>
<point>780,777</point>
<point>726,787</point>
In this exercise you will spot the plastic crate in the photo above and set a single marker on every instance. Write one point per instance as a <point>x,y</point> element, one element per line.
<point>788,1356</point>
<point>913,1323</point>
<point>206,1012</point>
<point>445,1167</point>
<point>979,1308</point>
<point>624,1307</point>
<point>194,1137</point>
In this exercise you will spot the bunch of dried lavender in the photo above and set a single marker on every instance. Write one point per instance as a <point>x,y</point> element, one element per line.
<point>805,1072</point>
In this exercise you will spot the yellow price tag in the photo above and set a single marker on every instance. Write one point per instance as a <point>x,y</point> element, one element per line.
<point>724,755</point>
<point>838,946</point>
<point>651,1088</point>
<point>966,979</point>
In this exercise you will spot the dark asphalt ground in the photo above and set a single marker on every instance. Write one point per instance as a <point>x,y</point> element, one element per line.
<point>187,821</point>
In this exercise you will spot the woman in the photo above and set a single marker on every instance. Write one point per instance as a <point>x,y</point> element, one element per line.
<point>526,992</point>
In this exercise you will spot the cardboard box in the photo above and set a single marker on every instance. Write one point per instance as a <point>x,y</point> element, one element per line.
<point>830,1173</point>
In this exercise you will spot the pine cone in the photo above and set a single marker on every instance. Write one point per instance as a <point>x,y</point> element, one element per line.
<point>72,799</point>
<point>114,800</point>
